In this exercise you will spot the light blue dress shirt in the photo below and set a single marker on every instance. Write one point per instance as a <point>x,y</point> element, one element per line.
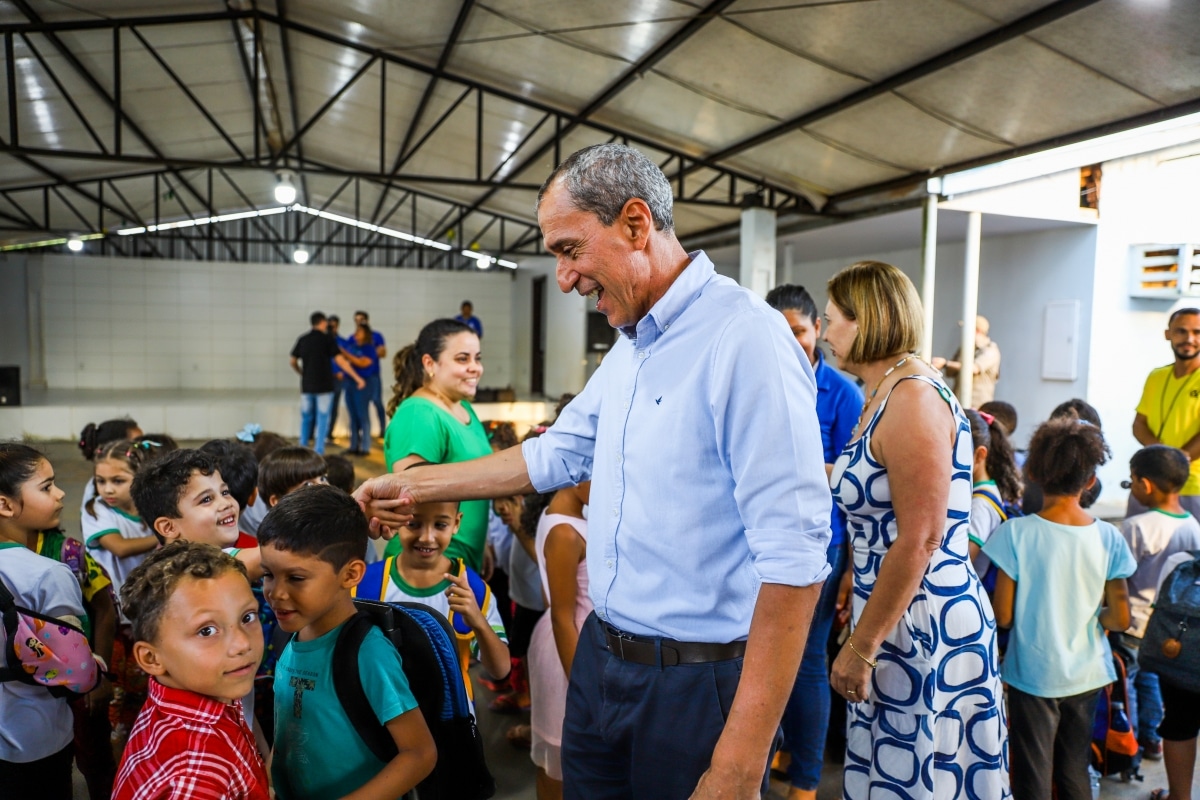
<point>699,432</point>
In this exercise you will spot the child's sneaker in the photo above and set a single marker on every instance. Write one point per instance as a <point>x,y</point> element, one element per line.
<point>1152,751</point>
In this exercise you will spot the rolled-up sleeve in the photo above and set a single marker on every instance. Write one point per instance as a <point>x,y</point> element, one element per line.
<point>764,401</point>
<point>562,456</point>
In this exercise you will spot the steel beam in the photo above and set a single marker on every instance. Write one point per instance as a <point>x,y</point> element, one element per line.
<point>1026,24</point>
<point>633,73</point>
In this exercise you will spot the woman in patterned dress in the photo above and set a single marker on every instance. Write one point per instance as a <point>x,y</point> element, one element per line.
<point>920,669</point>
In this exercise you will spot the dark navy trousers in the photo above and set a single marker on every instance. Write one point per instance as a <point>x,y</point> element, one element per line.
<point>640,732</point>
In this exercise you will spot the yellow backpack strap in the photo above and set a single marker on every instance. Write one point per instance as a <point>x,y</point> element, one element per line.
<point>986,495</point>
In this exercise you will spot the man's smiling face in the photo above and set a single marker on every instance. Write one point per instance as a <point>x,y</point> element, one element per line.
<point>595,260</point>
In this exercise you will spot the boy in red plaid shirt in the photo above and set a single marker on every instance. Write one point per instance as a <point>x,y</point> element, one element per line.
<point>197,635</point>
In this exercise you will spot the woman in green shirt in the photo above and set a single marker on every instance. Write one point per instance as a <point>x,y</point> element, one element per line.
<point>433,422</point>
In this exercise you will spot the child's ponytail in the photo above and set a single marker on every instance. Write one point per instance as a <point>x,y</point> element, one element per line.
<point>989,433</point>
<point>1002,464</point>
<point>87,441</point>
<point>94,436</point>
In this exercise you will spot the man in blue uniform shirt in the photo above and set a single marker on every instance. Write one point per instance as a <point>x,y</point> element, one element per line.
<point>709,516</point>
<point>839,403</point>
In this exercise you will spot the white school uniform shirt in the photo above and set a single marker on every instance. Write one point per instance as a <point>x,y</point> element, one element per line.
<point>984,521</point>
<point>398,590</point>
<point>110,520</point>
<point>33,723</point>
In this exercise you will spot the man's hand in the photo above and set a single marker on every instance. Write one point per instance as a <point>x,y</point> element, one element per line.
<point>937,362</point>
<point>360,382</point>
<point>387,502</point>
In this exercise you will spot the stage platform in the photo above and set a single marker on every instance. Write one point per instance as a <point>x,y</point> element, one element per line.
<point>60,414</point>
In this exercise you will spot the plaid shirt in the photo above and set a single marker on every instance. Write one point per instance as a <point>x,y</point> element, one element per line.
<point>186,745</point>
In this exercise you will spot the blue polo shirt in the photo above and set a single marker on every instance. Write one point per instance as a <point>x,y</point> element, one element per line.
<point>839,402</point>
<point>337,371</point>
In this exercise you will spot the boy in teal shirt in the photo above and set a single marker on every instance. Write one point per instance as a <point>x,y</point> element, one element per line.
<point>312,544</point>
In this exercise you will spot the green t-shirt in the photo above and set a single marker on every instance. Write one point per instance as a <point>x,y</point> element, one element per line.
<point>422,428</point>
<point>318,754</point>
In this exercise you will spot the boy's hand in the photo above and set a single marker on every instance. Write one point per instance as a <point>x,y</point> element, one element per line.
<point>462,601</point>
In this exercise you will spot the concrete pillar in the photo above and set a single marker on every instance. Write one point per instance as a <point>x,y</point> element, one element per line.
<point>966,373</point>
<point>928,272</point>
<point>757,268</point>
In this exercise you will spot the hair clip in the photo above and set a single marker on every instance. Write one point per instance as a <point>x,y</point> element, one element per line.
<point>146,444</point>
<point>986,417</point>
<point>247,434</point>
<point>539,429</point>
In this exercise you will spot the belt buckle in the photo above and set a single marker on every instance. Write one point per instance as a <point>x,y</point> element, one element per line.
<point>621,636</point>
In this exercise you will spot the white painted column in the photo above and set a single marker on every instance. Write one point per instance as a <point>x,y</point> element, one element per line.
<point>928,272</point>
<point>966,372</point>
<point>757,268</point>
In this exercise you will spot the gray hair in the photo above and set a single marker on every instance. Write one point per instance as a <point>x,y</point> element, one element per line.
<point>602,178</point>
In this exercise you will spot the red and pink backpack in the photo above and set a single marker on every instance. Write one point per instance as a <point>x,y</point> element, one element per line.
<point>44,651</point>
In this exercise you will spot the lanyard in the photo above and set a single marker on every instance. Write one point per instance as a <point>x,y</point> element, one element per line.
<point>1167,414</point>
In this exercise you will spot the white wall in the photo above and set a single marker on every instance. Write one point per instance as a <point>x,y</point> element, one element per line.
<point>565,332</point>
<point>1146,199</point>
<point>1019,274</point>
<point>111,323</point>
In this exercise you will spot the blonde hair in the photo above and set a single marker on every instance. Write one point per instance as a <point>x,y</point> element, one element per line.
<point>886,306</point>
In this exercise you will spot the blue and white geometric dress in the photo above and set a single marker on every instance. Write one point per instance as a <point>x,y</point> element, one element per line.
<point>934,725</point>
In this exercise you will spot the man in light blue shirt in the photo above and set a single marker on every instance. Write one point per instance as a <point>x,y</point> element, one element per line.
<point>709,514</point>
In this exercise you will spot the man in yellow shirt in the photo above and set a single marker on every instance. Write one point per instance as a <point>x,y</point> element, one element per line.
<point>1169,411</point>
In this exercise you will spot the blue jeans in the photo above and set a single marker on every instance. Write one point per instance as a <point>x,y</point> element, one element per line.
<point>375,398</point>
<point>320,407</point>
<point>339,385</point>
<point>360,425</point>
<point>806,716</point>
<point>1145,706</point>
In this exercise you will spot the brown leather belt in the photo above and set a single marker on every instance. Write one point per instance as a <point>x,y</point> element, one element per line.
<point>646,650</point>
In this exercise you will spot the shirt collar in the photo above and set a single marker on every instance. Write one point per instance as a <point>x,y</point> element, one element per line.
<point>819,367</point>
<point>188,705</point>
<point>682,292</point>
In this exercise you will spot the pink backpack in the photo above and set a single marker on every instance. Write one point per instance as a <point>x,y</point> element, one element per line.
<point>44,651</point>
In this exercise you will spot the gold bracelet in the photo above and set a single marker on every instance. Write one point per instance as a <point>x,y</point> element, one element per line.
<point>853,649</point>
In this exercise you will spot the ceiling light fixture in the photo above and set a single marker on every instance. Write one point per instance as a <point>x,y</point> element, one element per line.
<point>300,255</point>
<point>75,244</point>
<point>285,188</point>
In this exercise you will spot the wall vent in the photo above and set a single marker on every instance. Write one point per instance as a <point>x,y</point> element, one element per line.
<point>1165,271</point>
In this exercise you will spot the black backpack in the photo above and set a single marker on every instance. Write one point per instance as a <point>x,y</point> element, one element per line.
<point>427,648</point>
<point>1171,647</point>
